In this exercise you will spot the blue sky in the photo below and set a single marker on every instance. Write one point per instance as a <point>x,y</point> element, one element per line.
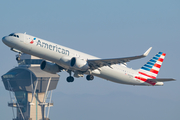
<point>106,29</point>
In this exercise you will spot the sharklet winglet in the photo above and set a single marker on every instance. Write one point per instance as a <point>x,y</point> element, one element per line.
<point>147,52</point>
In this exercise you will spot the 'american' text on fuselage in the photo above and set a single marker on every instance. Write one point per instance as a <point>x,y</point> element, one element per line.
<point>52,47</point>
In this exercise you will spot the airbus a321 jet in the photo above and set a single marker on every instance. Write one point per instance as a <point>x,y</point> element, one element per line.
<point>58,58</point>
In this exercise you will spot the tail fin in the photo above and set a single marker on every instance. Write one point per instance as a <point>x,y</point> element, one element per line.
<point>151,69</point>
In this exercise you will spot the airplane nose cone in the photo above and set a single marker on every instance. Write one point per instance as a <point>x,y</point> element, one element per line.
<point>3,39</point>
<point>6,41</point>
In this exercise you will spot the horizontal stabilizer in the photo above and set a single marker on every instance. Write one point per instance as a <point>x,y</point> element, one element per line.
<point>161,79</point>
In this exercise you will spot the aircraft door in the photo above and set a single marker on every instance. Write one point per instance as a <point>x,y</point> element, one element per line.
<point>22,38</point>
<point>26,39</point>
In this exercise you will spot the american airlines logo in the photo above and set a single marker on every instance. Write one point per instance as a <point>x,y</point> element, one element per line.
<point>55,48</point>
<point>32,41</point>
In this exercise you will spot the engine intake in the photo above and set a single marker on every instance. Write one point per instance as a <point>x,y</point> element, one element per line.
<point>49,67</point>
<point>79,64</point>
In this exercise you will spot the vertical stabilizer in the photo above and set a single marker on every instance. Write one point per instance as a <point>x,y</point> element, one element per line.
<point>151,69</point>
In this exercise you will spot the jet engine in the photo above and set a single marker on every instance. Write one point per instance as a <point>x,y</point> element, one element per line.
<point>79,64</point>
<point>50,67</point>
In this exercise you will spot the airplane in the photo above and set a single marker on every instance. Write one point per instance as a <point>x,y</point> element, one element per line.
<point>57,58</point>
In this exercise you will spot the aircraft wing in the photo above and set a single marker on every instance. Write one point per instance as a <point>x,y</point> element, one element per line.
<point>162,79</point>
<point>94,64</point>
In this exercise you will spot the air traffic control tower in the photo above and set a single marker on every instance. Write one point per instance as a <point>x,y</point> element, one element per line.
<point>30,89</point>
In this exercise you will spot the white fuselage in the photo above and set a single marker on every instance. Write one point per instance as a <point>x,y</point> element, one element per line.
<point>56,53</point>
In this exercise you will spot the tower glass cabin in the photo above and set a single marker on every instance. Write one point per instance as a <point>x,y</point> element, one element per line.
<point>30,89</point>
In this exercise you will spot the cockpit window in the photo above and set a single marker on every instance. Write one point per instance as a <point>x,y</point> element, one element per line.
<point>14,35</point>
<point>11,34</point>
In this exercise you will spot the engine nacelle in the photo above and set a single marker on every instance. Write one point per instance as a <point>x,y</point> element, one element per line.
<point>79,64</point>
<point>50,67</point>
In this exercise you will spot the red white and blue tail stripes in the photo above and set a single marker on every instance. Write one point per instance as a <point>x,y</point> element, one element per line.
<point>151,69</point>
